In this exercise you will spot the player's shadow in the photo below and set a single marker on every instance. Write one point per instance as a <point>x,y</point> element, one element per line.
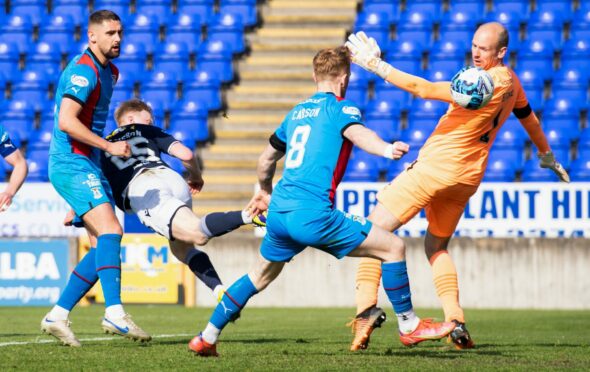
<point>149,200</point>
<point>238,341</point>
<point>539,344</point>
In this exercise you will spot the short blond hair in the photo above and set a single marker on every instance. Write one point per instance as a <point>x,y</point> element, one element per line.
<point>132,105</point>
<point>332,62</point>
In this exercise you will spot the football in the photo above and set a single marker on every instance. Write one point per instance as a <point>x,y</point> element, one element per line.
<point>472,87</point>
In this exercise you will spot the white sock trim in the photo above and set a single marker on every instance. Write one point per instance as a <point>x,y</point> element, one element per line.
<point>58,313</point>
<point>211,334</point>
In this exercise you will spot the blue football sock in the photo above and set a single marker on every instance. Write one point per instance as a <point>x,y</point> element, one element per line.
<point>82,279</point>
<point>397,285</point>
<point>234,300</point>
<point>201,265</point>
<point>108,267</point>
<point>220,223</point>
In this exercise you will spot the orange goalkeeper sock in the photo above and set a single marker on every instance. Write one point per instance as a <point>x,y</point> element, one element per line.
<point>368,277</point>
<point>447,287</point>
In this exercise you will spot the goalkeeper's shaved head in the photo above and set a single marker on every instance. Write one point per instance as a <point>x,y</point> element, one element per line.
<point>330,63</point>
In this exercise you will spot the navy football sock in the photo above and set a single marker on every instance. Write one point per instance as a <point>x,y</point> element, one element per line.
<point>220,223</point>
<point>201,265</point>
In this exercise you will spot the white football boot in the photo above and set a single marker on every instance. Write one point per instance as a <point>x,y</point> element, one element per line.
<point>61,330</point>
<point>125,327</point>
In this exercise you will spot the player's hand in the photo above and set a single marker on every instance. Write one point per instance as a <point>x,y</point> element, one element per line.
<point>69,218</point>
<point>547,160</point>
<point>119,148</point>
<point>259,203</point>
<point>399,149</point>
<point>195,184</point>
<point>5,201</point>
<point>367,54</point>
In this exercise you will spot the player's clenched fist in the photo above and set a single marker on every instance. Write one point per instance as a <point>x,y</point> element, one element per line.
<point>396,150</point>
<point>119,148</point>
<point>366,53</point>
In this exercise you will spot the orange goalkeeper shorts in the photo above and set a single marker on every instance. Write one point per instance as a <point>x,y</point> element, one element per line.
<point>418,188</point>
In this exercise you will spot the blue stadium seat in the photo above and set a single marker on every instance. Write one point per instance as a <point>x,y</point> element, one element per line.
<point>375,25</point>
<point>580,170</point>
<point>3,171</point>
<point>426,113</point>
<point>533,86</point>
<point>580,27</point>
<point>562,155</point>
<point>38,168</point>
<point>9,56</point>
<point>512,21</point>
<point>120,7</point>
<point>174,163</point>
<point>17,30</point>
<point>458,25</point>
<point>36,10</point>
<point>186,136</point>
<point>388,7</point>
<point>2,87</point>
<point>433,74</point>
<point>357,89</point>
<point>473,7</point>
<point>383,117</point>
<point>58,30</point>
<point>18,117</point>
<point>204,9</point>
<point>385,91</point>
<point>447,55</point>
<point>192,116</point>
<point>32,87</point>
<point>415,136</point>
<point>431,9</point>
<point>123,89</point>
<point>534,173</point>
<point>561,110</point>
<point>172,58</point>
<point>562,7</point>
<point>584,140</point>
<point>576,54</point>
<point>143,29</point>
<point>406,55</point>
<point>571,84</point>
<point>501,167</point>
<point>246,9</point>
<point>229,29</point>
<point>536,55</point>
<point>185,28</point>
<point>203,87</point>
<point>546,26</point>
<point>521,7</point>
<point>40,139</point>
<point>561,134</point>
<point>415,27</point>
<point>511,135</point>
<point>398,166</point>
<point>160,89</point>
<point>44,56</point>
<point>514,155</point>
<point>77,9</point>
<point>215,58</point>
<point>361,169</point>
<point>159,9</point>
<point>132,60</point>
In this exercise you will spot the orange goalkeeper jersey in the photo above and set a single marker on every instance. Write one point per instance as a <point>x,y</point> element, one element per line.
<point>457,151</point>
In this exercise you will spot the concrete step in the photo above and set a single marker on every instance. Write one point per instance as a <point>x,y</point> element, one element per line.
<point>250,120</point>
<point>234,149</point>
<point>266,74</point>
<point>293,46</point>
<point>279,88</point>
<point>309,18</point>
<point>278,60</point>
<point>234,196</point>
<point>312,33</point>
<point>262,104</point>
<point>238,134</point>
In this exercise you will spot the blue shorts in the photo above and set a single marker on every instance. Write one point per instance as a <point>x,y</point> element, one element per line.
<point>79,181</point>
<point>331,230</point>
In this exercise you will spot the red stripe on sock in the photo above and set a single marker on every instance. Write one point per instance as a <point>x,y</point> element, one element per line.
<point>83,278</point>
<point>396,288</point>
<point>108,267</point>
<point>232,300</point>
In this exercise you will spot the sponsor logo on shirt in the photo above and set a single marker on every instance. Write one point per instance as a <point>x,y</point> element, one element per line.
<point>79,80</point>
<point>351,110</point>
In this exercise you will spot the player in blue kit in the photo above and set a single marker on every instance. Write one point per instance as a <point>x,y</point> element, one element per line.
<point>316,138</point>
<point>82,104</point>
<point>14,157</point>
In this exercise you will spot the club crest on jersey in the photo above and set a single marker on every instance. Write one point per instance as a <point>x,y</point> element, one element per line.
<point>96,192</point>
<point>92,182</point>
<point>352,111</point>
<point>79,80</point>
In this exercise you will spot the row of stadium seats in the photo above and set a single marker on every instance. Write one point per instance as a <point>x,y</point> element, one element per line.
<point>457,25</point>
<point>162,10</point>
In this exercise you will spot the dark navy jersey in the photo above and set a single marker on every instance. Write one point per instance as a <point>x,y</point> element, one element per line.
<point>147,142</point>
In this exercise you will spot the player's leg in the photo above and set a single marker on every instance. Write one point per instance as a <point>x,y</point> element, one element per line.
<point>83,277</point>
<point>232,302</point>
<point>200,264</point>
<point>443,216</point>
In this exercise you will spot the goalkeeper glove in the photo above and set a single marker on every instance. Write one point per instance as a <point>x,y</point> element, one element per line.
<point>366,53</point>
<point>547,160</point>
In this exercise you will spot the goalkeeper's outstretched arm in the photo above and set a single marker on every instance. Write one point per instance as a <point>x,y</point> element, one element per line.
<point>367,54</point>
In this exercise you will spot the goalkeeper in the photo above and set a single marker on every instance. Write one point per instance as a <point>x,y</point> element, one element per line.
<point>449,168</point>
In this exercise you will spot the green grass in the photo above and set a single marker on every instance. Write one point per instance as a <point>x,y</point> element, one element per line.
<point>299,339</point>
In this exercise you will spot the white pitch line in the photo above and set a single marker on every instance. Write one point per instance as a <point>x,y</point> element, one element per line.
<point>19,343</point>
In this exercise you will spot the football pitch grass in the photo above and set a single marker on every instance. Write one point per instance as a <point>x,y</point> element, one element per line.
<point>296,339</point>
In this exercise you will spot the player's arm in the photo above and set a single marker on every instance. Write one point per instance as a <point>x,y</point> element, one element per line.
<point>367,54</point>
<point>191,164</point>
<point>531,124</point>
<point>17,178</point>
<point>367,140</point>
<point>69,123</point>
<point>265,170</point>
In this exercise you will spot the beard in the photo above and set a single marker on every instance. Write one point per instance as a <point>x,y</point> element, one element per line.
<point>112,53</point>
